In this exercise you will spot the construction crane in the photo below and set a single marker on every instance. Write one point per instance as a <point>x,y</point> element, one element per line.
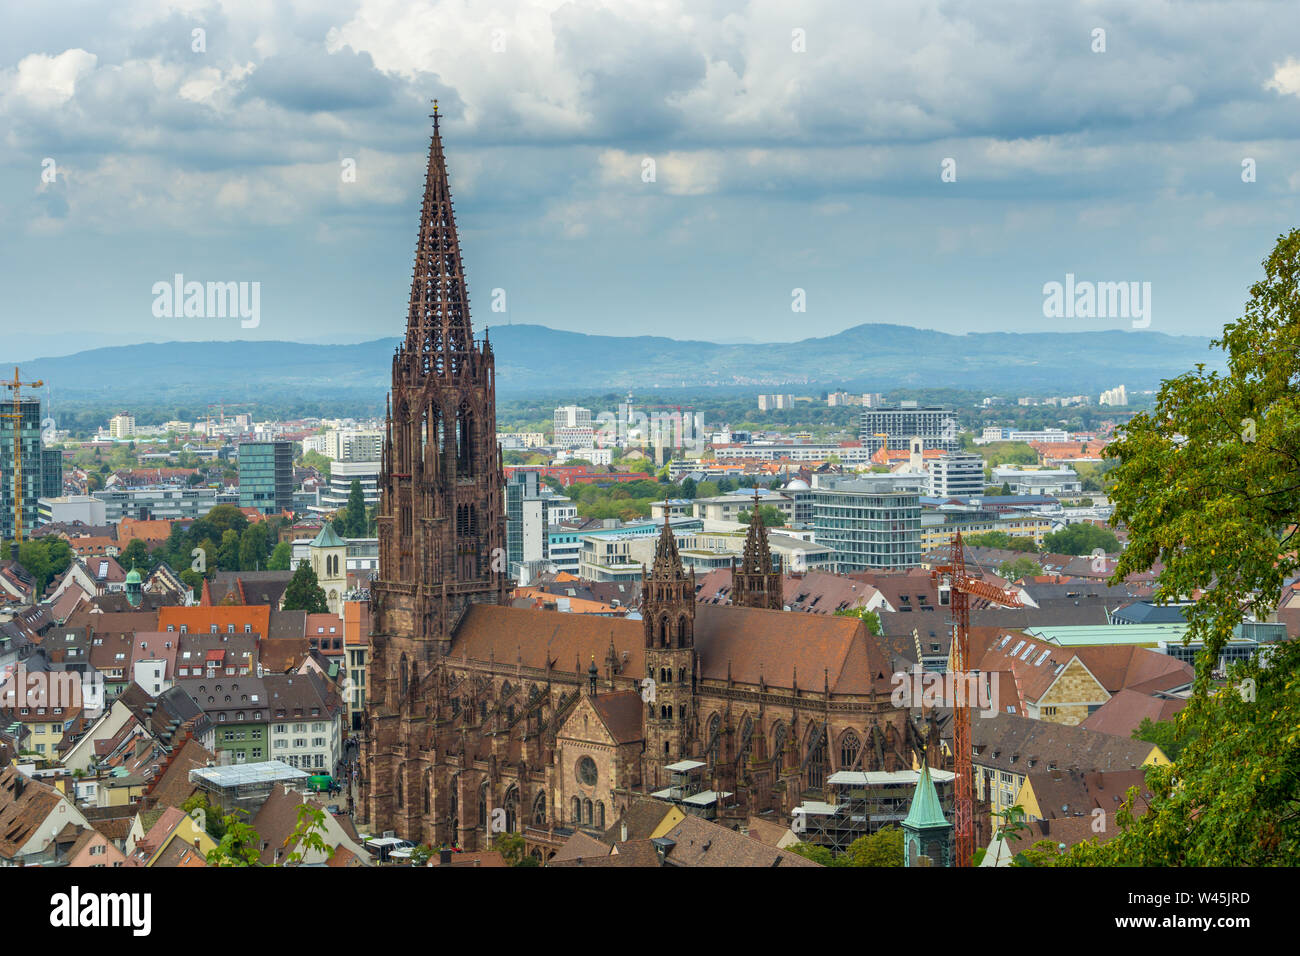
<point>961,587</point>
<point>17,416</point>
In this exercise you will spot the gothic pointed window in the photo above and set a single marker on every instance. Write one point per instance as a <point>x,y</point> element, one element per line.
<point>539,809</point>
<point>715,723</point>
<point>817,764</point>
<point>850,747</point>
<point>746,738</point>
<point>575,810</point>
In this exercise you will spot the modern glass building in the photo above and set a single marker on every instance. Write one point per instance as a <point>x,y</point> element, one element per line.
<point>266,476</point>
<point>29,437</point>
<point>872,522</point>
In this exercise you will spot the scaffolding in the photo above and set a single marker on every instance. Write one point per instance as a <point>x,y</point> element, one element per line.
<point>864,802</point>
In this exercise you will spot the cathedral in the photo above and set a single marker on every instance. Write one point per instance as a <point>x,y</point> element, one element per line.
<point>483,718</point>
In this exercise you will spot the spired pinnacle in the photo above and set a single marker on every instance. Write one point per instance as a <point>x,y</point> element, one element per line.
<point>438,324</point>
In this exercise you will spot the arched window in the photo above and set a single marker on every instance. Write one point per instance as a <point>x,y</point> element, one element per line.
<point>586,812</point>
<point>600,814</point>
<point>539,809</point>
<point>778,741</point>
<point>399,779</point>
<point>850,747</point>
<point>512,809</point>
<point>482,805</point>
<point>575,810</point>
<point>663,631</point>
<point>817,760</point>
<point>714,736</point>
<point>683,626</point>
<point>746,738</point>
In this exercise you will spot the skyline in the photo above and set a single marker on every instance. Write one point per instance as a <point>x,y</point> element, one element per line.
<point>776,169</point>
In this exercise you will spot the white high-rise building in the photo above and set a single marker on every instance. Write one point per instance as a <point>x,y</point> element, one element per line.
<point>121,425</point>
<point>1114,396</point>
<point>573,427</point>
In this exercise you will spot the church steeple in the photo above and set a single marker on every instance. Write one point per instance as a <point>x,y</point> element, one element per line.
<point>668,610</point>
<point>756,582</point>
<point>437,322</point>
<point>441,516</point>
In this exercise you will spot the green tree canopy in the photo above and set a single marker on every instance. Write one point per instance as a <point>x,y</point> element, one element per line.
<point>304,592</point>
<point>1081,538</point>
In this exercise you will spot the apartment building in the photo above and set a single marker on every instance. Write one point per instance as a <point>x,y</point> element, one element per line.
<point>870,522</point>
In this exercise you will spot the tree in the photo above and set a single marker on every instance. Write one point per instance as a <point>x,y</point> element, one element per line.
<point>304,592</point>
<point>1206,484</point>
<point>226,518</point>
<point>253,547</point>
<point>871,617</point>
<point>1165,734</point>
<point>771,515</point>
<point>999,539</point>
<point>1019,568</point>
<point>308,834</point>
<point>1005,490</point>
<point>811,851</point>
<point>281,556</point>
<point>135,554</point>
<point>882,848</point>
<point>688,488</point>
<point>1206,480</point>
<point>356,514</point>
<point>240,845</point>
<point>1081,538</point>
<point>510,846</point>
<point>228,550</point>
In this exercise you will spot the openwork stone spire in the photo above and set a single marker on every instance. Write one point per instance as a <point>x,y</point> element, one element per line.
<point>437,324</point>
<point>757,582</point>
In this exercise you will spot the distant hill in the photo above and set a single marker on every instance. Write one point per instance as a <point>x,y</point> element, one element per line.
<point>535,359</point>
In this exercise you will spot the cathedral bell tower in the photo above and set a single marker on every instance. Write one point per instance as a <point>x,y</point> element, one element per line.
<point>668,612</point>
<point>441,515</point>
<point>756,582</point>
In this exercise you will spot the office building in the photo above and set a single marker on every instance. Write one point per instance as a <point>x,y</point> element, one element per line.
<point>342,474</point>
<point>266,476</point>
<point>956,473</point>
<point>892,426</point>
<point>156,502</point>
<point>573,427</point>
<point>34,463</point>
<point>871,522</point>
<point>1061,482</point>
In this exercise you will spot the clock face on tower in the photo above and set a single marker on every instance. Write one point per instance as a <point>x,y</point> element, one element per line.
<point>587,771</point>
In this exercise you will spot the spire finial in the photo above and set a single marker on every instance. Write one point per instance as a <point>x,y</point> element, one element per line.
<point>434,115</point>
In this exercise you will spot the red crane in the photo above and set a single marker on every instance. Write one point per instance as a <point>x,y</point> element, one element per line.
<point>962,587</point>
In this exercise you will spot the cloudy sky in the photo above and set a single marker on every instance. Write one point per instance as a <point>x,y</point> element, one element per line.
<point>795,146</point>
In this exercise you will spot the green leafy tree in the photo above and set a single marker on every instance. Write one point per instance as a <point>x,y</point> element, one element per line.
<point>1081,538</point>
<point>1165,734</point>
<point>240,844</point>
<point>871,618</point>
<point>226,518</point>
<point>811,851</point>
<point>999,539</point>
<point>228,550</point>
<point>304,592</point>
<point>771,515</point>
<point>1005,490</point>
<point>135,555</point>
<point>689,488</point>
<point>281,556</point>
<point>253,547</point>
<point>356,513</point>
<point>510,846</point>
<point>307,835</point>
<point>1019,568</point>
<point>1206,481</point>
<point>882,848</point>
<point>1206,484</point>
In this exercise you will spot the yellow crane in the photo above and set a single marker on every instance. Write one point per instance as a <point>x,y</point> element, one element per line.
<point>17,416</point>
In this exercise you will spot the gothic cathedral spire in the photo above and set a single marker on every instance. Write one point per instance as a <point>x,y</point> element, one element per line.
<point>441,515</point>
<point>668,610</point>
<point>757,581</point>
